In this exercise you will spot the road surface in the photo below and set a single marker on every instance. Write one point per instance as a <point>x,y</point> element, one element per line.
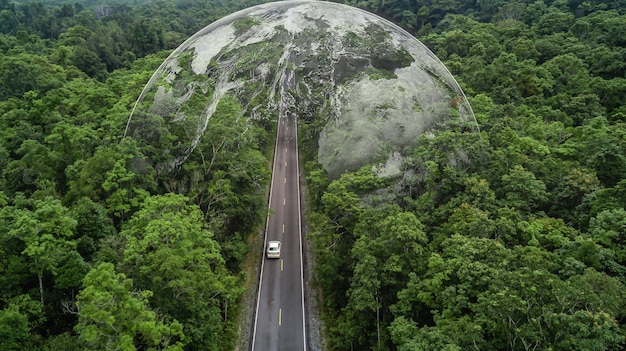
<point>279,322</point>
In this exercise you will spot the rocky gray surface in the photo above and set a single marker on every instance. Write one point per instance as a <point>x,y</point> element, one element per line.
<point>373,87</point>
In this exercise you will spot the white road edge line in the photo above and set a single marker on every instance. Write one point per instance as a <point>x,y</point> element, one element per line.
<point>300,236</point>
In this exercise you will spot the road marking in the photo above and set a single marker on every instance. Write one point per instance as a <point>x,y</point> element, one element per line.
<point>280,316</point>
<point>285,163</point>
<point>283,228</point>
<point>282,264</point>
<point>284,201</point>
<point>285,180</point>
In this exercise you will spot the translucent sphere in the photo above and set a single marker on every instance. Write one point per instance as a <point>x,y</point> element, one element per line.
<point>358,84</point>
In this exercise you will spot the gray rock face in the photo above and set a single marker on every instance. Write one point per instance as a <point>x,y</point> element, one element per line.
<point>363,86</point>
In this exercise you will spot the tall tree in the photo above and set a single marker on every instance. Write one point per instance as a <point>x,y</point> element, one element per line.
<point>46,230</point>
<point>169,251</point>
<point>114,316</point>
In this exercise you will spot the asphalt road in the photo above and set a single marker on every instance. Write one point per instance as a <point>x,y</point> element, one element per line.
<point>280,318</point>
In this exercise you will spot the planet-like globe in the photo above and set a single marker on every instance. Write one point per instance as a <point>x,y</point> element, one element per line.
<point>363,87</point>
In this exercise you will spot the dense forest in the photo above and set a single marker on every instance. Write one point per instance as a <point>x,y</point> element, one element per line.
<point>507,239</point>
<point>97,250</point>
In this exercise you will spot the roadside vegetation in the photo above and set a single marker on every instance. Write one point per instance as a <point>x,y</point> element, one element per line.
<point>508,240</point>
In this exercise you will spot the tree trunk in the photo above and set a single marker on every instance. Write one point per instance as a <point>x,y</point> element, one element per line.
<point>378,321</point>
<point>40,277</point>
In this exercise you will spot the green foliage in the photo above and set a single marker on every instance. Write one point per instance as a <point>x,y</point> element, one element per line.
<point>93,224</point>
<point>119,176</point>
<point>44,230</point>
<point>244,24</point>
<point>112,315</point>
<point>169,252</point>
<point>63,341</point>
<point>36,74</point>
<point>71,185</point>
<point>522,227</point>
<point>375,74</point>
<point>14,329</point>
